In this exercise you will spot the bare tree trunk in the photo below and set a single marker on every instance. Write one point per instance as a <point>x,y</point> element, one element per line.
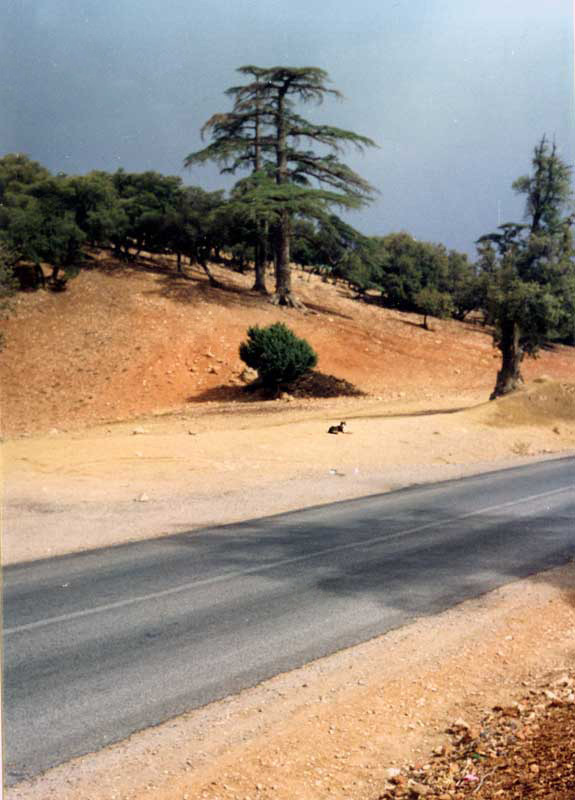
<point>283,295</point>
<point>260,268</point>
<point>509,376</point>
<point>261,248</point>
<point>200,257</point>
<point>213,280</point>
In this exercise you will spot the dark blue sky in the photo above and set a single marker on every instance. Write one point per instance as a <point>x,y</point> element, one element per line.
<point>455,92</point>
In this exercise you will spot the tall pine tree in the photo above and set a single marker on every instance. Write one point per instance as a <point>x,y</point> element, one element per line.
<point>264,131</point>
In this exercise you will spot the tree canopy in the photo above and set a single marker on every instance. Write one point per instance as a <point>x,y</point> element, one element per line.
<point>289,179</point>
<point>531,291</point>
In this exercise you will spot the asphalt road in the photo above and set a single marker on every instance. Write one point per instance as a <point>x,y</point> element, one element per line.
<point>101,644</point>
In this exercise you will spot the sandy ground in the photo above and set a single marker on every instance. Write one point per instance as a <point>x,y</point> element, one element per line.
<point>119,427</point>
<point>112,484</point>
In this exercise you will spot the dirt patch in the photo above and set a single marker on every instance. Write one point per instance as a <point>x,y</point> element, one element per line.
<point>522,750</point>
<point>543,402</point>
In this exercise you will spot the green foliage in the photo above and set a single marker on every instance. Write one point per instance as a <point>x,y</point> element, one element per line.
<point>97,208</point>
<point>17,173</point>
<point>463,285</point>
<point>431,302</point>
<point>530,278</point>
<point>39,224</point>
<point>278,355</point>
<point>289,180</point>
<point>336,248</point>
<point>406,266</point>
<point>48,219</point>
<point>8,284</point>
<point>146,201</point>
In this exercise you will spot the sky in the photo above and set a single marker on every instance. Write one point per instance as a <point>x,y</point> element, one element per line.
<point>456,93</point>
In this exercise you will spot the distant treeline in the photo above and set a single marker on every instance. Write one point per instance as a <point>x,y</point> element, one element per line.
<point>48,219</point>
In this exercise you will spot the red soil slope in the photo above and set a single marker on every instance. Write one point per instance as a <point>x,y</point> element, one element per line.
<point>125,341</point>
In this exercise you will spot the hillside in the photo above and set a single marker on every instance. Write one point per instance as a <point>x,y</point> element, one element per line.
<point>123,342</point>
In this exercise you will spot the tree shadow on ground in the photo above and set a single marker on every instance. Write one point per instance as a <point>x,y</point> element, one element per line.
<point>192,286</point>
<point>418,325</point>
<point>316,308</point>
<point>372,300</point>
<point>115,266</point>
<point>430,412</point>
<point>224,394</point>
<point>472,326</point>
<point>311,385</point>
<point>197,289</point>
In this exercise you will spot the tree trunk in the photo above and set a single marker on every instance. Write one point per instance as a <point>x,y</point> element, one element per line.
<point>39,279</point>
<point>213,280</point>
<point>179,261</point>
<point>261,248</point>
<point>283,295</point>
<point>200,256</point>
<point>511,357</point>
<point>260,268</point>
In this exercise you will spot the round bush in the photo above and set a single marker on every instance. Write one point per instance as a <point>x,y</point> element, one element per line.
<point>278,355</point>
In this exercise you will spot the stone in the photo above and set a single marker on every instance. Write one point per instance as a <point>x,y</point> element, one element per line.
<point>248,375</point>
<point>564,680</point>
<point>419,789</point>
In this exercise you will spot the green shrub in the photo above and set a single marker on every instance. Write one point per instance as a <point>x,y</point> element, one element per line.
<point>278,355</point>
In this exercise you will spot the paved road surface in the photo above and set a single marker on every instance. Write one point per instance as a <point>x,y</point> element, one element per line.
<point>101,644</point>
